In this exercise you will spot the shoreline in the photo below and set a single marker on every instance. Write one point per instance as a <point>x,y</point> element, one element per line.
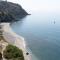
<point>14,39</point>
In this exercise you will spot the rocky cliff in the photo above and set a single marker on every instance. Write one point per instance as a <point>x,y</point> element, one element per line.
<point>11,11</point>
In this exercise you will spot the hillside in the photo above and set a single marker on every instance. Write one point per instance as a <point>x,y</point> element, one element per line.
<point>10,11</point>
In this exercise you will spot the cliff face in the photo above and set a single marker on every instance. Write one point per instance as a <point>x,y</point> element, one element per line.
<point>10,11</point>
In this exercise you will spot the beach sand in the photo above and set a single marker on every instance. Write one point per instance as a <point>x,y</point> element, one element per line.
<point>14,39</point>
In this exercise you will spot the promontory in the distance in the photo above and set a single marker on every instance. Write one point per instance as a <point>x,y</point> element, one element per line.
<point>9,11</point>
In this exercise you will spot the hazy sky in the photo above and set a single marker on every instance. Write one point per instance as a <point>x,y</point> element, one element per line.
<point>39,5</point>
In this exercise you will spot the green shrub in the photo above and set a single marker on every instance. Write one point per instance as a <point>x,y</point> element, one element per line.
<point>12,52</point>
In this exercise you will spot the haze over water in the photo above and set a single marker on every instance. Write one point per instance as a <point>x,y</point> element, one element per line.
<point>42,34</point>
<point>39,5</point>
<point>41,29</point>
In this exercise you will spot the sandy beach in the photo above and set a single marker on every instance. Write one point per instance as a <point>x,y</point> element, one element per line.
<point>14,39</point>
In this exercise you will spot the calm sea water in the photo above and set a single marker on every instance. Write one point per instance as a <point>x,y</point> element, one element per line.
<point>42,34</point>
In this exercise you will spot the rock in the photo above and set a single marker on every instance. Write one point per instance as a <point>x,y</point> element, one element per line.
<point>11,11</point>
<point>0,56</point>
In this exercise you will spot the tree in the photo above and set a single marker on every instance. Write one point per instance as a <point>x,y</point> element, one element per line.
<point>14,53</point>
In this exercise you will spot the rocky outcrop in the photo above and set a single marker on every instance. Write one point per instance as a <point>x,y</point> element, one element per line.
<point>11,11</point>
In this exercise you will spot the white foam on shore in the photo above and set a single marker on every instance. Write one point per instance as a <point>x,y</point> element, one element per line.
<point>32,55</point>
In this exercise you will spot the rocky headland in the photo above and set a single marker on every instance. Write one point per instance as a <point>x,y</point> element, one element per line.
<point>9,11</point>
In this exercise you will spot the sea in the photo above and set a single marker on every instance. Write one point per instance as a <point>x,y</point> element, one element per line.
<point>41,31</point>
